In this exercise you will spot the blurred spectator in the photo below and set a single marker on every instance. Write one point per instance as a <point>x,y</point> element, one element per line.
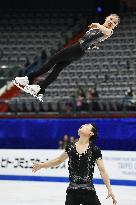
<point>79,102</point>
<point>80,99</point>
<point>133,100</point>
<point>90,95</point>
<point>95,93</point>
<point>92,98</point>
<point>60,144</point>
<point>129,92</point>
<point>128,97</point>
<point>72,139</point>
<point>65,140</point>
<point>81,92</point>
<point>69,107</point>
<point>95,99</point>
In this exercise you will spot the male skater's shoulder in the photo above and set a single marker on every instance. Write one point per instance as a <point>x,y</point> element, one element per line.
<point>69,147</point>
<point>97,154</point>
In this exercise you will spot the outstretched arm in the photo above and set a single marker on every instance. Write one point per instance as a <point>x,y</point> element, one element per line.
<point>106,179</point>
<point>105,31</point>
<point>51,163</point>
<point>92,25</point>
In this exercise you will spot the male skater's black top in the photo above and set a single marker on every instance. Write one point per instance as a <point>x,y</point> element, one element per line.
<point>81,167</point>
<point>91,37</point>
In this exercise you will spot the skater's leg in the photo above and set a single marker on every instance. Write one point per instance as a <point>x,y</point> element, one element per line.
<point>43,69</point>
<point>52,76</point>
<point>73,52</point>
<point>90,198</point>
<point>66,54</point>
<point>71,198</point>
<point>38,90</point>
<point>29,79</point>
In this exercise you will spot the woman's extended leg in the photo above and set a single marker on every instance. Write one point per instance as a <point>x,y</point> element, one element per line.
<point>58,61</point>
<point>70,53</point>
<point>52,76</point>
<point>39,89</point>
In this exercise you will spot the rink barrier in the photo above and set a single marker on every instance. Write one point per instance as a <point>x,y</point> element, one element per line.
<point>64,179</point>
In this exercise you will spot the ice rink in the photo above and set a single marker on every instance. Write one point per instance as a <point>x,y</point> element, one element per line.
<point>50,193</point>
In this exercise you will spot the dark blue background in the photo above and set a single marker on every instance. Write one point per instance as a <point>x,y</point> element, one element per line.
<point>114,134</point>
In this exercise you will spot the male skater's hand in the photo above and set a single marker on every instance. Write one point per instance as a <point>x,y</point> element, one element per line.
<point>110,194</point>
<point>37,166</point>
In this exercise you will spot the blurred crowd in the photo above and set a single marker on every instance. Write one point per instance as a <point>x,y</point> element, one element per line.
<point>85,99</point>
<point>66,139</point>
<point>129,98</point>
<point>88,100</point>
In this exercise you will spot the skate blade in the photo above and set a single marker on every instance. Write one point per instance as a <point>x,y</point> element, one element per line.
<point>35,96</point>
<point>41,100</point>
<point>31,93</point>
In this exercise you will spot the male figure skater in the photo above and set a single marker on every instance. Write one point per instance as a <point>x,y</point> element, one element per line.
<point>64,57</point>
<point>82,158</point>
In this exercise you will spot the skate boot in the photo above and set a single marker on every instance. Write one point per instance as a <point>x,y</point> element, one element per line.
<point>21,82</point>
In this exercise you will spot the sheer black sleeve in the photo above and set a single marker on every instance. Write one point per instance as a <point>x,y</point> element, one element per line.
<point>67,148</point>
<point>97,153</point>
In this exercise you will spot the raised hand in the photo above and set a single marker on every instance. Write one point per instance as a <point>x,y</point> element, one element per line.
<point>37,166</point>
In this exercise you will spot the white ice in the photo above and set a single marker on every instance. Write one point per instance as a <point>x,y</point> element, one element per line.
<point>50,193</point>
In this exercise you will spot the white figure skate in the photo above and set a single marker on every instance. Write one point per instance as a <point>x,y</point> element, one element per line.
<point>21,82</point>
<point>33,90</point>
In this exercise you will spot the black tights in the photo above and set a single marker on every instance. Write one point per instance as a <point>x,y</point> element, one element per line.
<point>53,75</point>
<point>59,61</point>
<point>84,197</point>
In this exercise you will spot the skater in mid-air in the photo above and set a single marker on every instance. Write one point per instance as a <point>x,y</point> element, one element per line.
<point>82,155</point>
<point>64,57</point>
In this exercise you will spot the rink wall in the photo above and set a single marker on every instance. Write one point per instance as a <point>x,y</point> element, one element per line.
<point>17,165</point>
<point>114,134</point>
<point>23,141</point>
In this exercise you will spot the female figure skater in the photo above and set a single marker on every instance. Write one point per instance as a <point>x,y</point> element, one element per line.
<point>64,57</point>
<point>82,155</point>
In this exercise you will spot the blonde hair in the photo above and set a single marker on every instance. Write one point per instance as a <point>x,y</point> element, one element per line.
<point>117,16</point>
